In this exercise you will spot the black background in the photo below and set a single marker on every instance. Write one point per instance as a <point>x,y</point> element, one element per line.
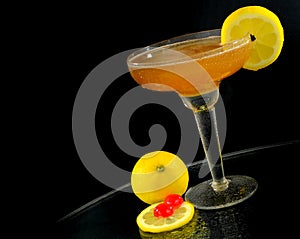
<point>261,107</point>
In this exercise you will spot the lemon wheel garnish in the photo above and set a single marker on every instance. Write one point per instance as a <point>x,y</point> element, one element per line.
<point>265,30</point>
<point>147,222</point>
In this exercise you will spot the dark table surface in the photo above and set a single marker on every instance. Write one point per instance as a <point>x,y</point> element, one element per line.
<point>271,212</point>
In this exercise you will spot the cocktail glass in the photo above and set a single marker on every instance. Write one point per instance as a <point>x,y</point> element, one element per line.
<point>193,65</point>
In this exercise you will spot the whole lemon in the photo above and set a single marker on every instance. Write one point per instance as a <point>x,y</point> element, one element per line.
<point>158,174</point>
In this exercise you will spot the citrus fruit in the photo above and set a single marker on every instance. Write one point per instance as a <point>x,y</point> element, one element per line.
<point>157,174</point>
<point>265,30</point>
<point>147,222</point>
<point>195,228</point>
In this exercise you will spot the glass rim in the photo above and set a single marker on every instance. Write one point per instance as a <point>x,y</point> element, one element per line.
<point>230,45</point>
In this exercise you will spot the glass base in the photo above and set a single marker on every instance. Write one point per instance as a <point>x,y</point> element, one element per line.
<point>239,189</point>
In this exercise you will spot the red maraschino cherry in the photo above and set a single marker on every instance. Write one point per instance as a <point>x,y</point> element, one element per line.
<point>163,210</point>
<point>174,200</point>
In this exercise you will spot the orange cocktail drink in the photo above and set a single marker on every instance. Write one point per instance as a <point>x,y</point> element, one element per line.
<point>171,67</point>
<point>193,66</point>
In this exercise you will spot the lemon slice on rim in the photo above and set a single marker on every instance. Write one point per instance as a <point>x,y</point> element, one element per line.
<point>266,33</point>
<point>147,222</point>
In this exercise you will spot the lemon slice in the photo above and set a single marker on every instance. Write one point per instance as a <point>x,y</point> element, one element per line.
<point>147,222</point>
<point>197,227</point>
<point>266,33</point>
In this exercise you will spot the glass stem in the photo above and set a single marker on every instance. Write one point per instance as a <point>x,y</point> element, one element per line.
<point>207,126</point>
